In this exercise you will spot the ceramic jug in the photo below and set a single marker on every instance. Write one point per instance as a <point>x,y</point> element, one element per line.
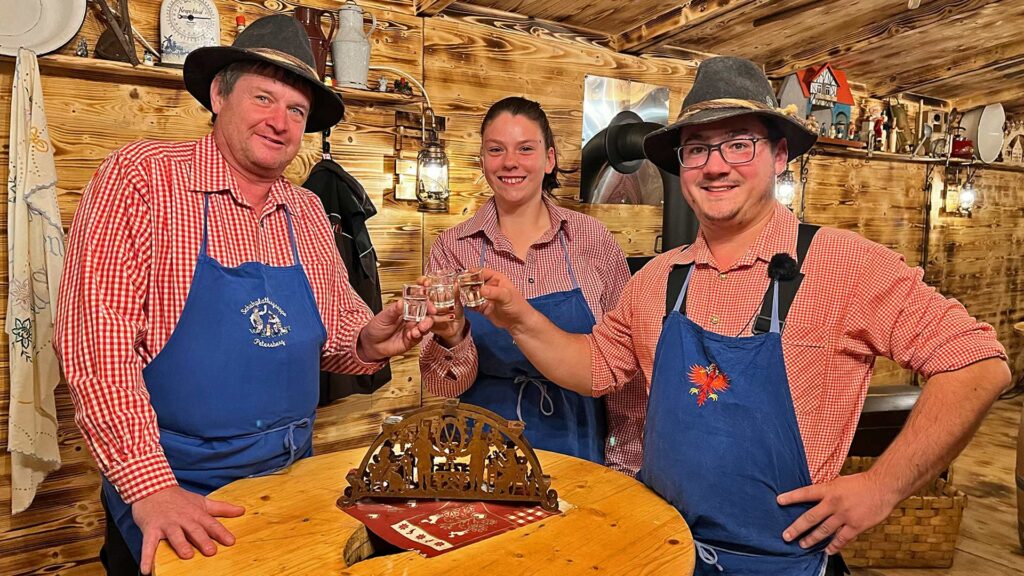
<point>312,20</point>
<point>351,48</point>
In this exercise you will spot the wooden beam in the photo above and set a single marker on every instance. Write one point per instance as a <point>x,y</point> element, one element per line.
<point>427,8</point>
<point>917,30</point>
<point>976,70</point>
<point>667,25</point>
<point>513,22</point>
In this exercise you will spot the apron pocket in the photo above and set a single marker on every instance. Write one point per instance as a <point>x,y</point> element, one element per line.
<point>808,355</point>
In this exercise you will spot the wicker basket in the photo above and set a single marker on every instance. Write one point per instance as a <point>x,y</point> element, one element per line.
<point>921,532</point>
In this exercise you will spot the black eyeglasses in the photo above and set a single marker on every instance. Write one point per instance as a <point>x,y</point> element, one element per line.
<point>734,151</point>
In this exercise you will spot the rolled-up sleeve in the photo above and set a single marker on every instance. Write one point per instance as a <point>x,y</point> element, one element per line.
<point>447,372</point>
<point>627,408</point>
<point>613,360</point>
<point>901,317</point>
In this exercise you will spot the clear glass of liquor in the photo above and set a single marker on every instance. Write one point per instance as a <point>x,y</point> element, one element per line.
<point>442,290</point>
<point>414,302</point>
<point>470,284</point>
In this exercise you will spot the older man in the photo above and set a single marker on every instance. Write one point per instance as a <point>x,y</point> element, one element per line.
<point>759,341</point>
<point>202,293</point>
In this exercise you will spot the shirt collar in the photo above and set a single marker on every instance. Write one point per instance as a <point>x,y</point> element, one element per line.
<point>211,173</point>
<point>778,236</point>
<point>485,222</point>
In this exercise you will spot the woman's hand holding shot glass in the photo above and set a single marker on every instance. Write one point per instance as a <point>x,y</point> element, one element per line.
<point>442,294</point>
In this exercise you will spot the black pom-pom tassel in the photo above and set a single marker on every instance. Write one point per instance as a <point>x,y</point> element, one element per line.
<point>782,267</point>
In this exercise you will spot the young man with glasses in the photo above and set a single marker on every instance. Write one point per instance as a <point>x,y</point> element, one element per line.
<point>759,340</point>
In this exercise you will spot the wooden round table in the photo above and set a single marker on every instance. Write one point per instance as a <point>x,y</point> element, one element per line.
<point>292,526</point>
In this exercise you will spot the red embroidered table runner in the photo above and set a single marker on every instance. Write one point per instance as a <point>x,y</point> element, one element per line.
<point>433,527</point>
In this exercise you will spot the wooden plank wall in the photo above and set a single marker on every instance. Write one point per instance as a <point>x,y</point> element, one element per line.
<point>467,60</point>
<point>61,532</point>
<point>980,260</point>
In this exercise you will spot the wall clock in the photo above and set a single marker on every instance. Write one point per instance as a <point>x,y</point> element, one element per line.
<point>186,25</point>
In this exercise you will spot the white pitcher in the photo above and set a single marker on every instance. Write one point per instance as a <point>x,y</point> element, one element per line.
<point>351,47</point>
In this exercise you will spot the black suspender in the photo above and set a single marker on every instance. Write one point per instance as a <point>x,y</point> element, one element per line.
<point>675,284</point>
<point>787,288</point>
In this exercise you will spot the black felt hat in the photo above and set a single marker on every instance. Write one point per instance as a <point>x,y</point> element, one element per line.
<point>725,87</point>
<point>279,40</point>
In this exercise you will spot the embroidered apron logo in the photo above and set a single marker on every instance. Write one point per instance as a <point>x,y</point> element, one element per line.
<point>266,321</point>
<point>707,382</point>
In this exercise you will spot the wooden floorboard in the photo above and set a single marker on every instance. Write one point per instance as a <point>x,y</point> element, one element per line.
<point>988,544</point>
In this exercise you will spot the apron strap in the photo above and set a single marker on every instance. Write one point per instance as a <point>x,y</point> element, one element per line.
<point>523,381</point>
<point>291,236</point>
<point>675,295</point>
<point>568,260</point>
<point>206,213</point>
<point>775,304</point>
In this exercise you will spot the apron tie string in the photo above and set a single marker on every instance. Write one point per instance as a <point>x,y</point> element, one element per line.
<point>289,443</point>
<point>523,381</point>
<point>289,440</point>
<point>707,554</point>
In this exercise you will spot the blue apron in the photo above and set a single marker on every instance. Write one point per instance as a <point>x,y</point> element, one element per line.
<point>235,388</point>
<point>720,454</point>
<point>556,419</point>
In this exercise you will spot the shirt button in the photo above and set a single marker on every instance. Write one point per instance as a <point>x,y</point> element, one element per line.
<point>714,319</point>
<point>449,357</point>
<point>721,276</point>
<point>530,280</point>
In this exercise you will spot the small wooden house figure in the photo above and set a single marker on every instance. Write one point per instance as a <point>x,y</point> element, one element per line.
<point>1013,143</point>
<point>821,92</point>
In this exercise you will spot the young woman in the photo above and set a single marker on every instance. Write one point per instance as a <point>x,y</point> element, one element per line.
<point>567,265</point>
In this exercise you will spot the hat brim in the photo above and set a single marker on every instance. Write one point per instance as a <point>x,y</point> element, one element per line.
<point>53,26</point>
<point>203,64</point>
<point>660,145</point>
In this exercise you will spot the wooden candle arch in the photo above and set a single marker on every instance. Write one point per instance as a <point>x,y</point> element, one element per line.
<point>455,452</point>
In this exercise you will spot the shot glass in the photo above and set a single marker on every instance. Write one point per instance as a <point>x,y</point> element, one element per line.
<point>470,283</point>
<point>414,302</point>
<point>442,290</point>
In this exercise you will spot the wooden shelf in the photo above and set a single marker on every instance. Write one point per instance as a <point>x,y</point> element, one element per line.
<point>377,97</point>
<point>830,149</point>
<point>170,77</point>
<point>110,71</point>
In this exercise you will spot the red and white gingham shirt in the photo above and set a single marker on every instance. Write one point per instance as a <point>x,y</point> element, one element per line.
<point>600,268</point>
<point>132,251</point>
<point>858,300</point>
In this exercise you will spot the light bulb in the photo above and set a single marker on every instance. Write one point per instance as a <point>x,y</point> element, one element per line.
<point>967,198</point>
<point>785,188</point>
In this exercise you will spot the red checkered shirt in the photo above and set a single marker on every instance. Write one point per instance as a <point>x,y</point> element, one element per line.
<point>131,254</point>
<point>600,268</point>
<point>858,300</point>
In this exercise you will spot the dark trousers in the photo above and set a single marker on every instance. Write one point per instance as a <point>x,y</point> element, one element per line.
<point>836,566</point>
<point>115,555</point>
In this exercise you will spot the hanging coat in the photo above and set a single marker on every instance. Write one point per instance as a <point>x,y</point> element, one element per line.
<point>348,207</point>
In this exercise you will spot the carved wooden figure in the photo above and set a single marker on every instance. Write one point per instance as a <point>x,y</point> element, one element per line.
<point>454,452</point>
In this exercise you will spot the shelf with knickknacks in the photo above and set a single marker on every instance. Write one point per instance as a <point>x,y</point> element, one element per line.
<point>821,96</point>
